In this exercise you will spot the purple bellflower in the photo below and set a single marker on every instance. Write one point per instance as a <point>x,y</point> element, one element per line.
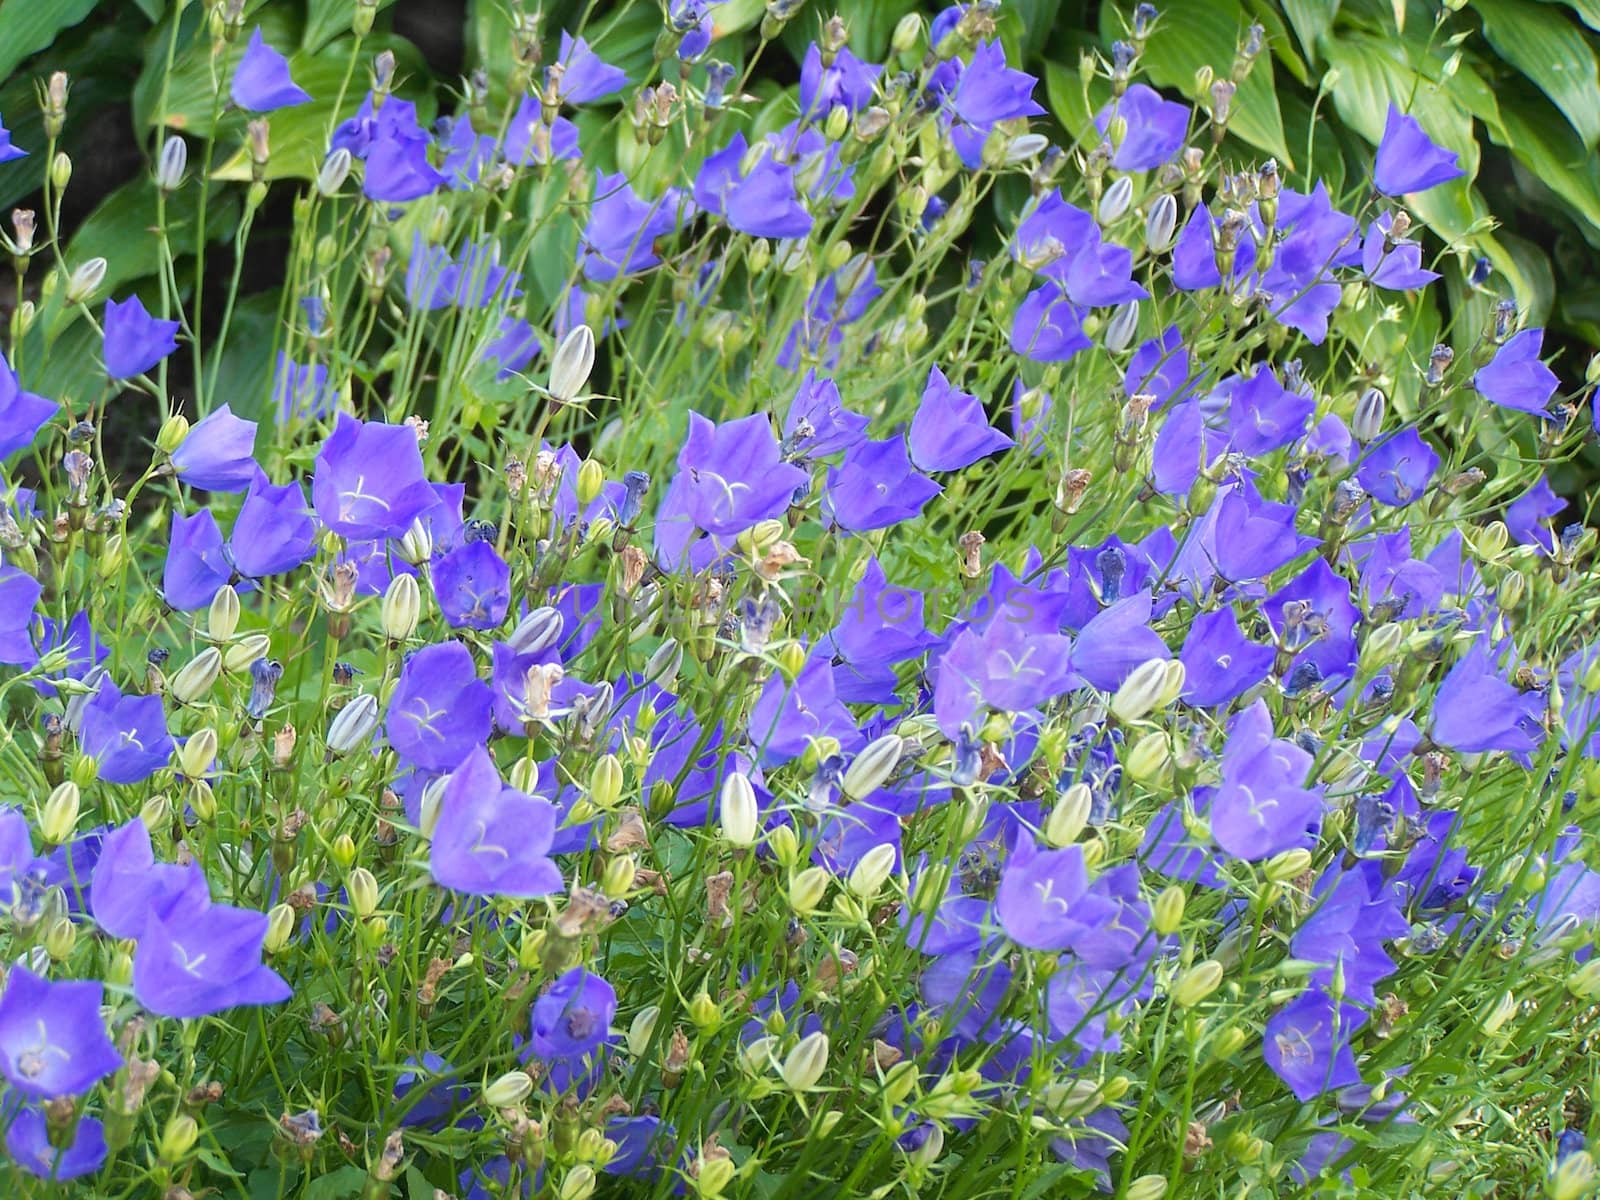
<point>579,76</point>
<point>1527,514</point>
<point>125,735</point>
<point>950,430</point>
<point>217,454</point>
<point>261,81</point>
<point>736,477</point>
<point>1408,160</point>
<point>129,886</point>
<point>1307,1044</point>
<point>134,340</point>
<point>847,81</point>
<point>369,481</point>
<point>786,716</point>
<point>473,586</point>
<point>204,962</point>
<point>441,710</point>
<point>33,1148</point>
<point>52,1040</point>
<point>22,414</point>
<point>1515,378</point>
<point>574,1016</point>
<point>1156,128</point>
<point>9,151</point>
<point>19,594</point>
<point>876,486</point>
<point>490,839</point>
<point>818,424</point>
<point>274,532</point>
<point>1398,469</point>
<point>1476,710</point>
<point>1262,806</point>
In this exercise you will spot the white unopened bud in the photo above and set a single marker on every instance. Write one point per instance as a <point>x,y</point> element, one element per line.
<point>416,544</point>
<point>1367,423</point>
<point>197,676</point>
<point>873,766</point>
<point>1141,691</point>
<point>59,816</point>
<point>738,807</point>
<point>1116,200</point>
<point>402,608</point>
<point>245,651</point>
<point>280,925</point>
<point>85,281</point>
<point>871,871</point>
<point>198,753</point>
<point>574,359</point>
<point>537,631</point>
<point>334,171</point>
<point>1503,1010</point>
<point>353,724</point>
<point>511,1088</point>
<point>1124,323</point>
<point>1198,982</point>
<point>806,889</point>
<point>806,1062</point>
<point>171,165</point>
<point>222,619</point>
<point>662,667</point>
<point>1161,223</point>
<point>578,1184</point>
<point>1069,816</point>
<point>642,1029</point>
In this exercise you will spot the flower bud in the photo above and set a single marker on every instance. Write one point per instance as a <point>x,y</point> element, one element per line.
<point>1198,982</point>
<point>59,816</point>
<point>197,676</point>
<point>873,766</point>
<point>156,811</point>
<point>510,1089</point>
<point>791,659</point>
<point>574,359</point>
<point>537,631</point>
<point>1512,588</point>
<point>198,753</point>
<point>222,618</point>
<point>1150,757</point>
<point>61,171</point>
<point>907,32</point>
<point>342,850</point>
<point>900,1081</point>
<point>1367,423</point>
<point>1291,864</point>
<point>173,430</point>
<point>1382,644</point>
<point>806,889</point>
<point>361,886</point>
<point>703,1011</point>
<point>334,171</point>
<point>642,1029</point>
<point>173,162</point>
<point>1492,539</point>
<point>178,1138</point>
<point>86,280</point>
<point>1123,325</point>
<point>1116,200</point>
<point>1167,913</point>
<point>871,872</point>
<point>1140,691</point>
<point>717,1173</point>
<point>353,724</point>
<point>738,809</point>
<point>1147,1187</point>
<point>280,924</point>
<point>1573,1178</point>
<point>785,846</point>
<point>402,608</point>
<point>605,782</point>
<point>591,479</point>
<point>1069,816</point>
<point>416,544</point>
<point>60,936</point>
<point>837,123</point>
<point>662,667</point>
<point>578,1184</point>
<point>806,1062</point>
<point>245,651</point>
<point>617,881</point>
<point>1161,223</point>
<point>1503,1010</point>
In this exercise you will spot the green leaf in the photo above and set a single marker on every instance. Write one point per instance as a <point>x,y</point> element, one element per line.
<point>326,20</point>
<point>1551,52</point>
<point>1064,93</point>
<point>1311,20</point>
<point>347,1181</point>
<point>1190,36</point>
<point>1588,10</point>
<point>1555,157</point>
<point>1278,40</point>
<point>28,26</point>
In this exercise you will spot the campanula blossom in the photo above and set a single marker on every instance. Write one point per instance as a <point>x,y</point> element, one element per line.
<point>82,645</point>
<point>129,886</point>
<point>440,711</point>
<point>1196,253</point>
<point>1408,160</point>
<point>217,454</point>
<point>818,423</point>
<point>398,169</point>
<point>490,839</point>
<point>620,236</point>
<point>531,142</point>
<point>1307,1044</point>
<point>1262,806</point>
<point>261,81</point>
<point>735,475</point>
<point>1263,415</point>
<point>787,715</point>
<point>19,595</point>
<point>468,153</point>
<point>369,480</point>
<point>1008,666</point>
<point>300,391</point>
<point>32,1147</point>
<point>1249,537</point>
<point>1155,128</point>
<point>1390,262</point>
<point>197,566</point>
<point>847,81</point>
<point>950,430</point>
<point>1315,617</point>
<point>198,963</point>
<point>1159,368</point>
<point>1398,469</point>
<point>126,735</point>
<point>1515,378</point>
<point>1526,516</point>
<point>1037,895</point>
<point>473,585</point>
<point>875,487</point>
<point>434,280</point>
<point>1355,914</point>
<point>1116,641</point>
<point>8,150</point>
<point>274,532</point>
<point>987,91</point>
<point>1050,233</point>
<point>696,24</point>
<point>52,1040</point>
<point>134,340</point>
<point>512,349</point>
<point>1220,663</point>
<point>1476,710</point>
<point>22,414</point>
<point>763,202</point>
<point>579,76</point>
<point>574,1016</point>
<point>1048,327</point>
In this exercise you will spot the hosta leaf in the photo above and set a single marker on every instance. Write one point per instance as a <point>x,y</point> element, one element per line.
<point>1553,53</point>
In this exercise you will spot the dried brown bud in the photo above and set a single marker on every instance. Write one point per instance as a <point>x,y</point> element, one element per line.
<point>631,833</point>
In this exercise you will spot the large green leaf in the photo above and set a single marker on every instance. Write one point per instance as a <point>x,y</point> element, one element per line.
<point>1588,10</point>
<point>1553,53</point>
<point>1311,20</point>
<point>326,20</point>
<point>28,26</point>
<point>1190,36</point>
<point>1554,155</point>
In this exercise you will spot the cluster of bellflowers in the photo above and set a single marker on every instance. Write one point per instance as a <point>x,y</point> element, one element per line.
<point>792,704</point>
